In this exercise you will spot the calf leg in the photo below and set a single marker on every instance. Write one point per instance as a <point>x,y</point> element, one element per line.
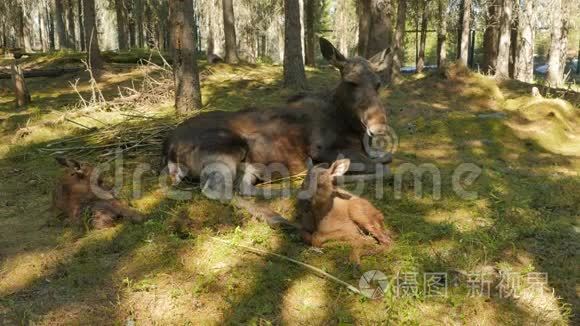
<point>371,221</point>
<point>357,242</point>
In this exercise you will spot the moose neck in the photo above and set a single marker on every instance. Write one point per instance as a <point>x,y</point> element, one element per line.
<point>344,109</point>
<point>322,200</point>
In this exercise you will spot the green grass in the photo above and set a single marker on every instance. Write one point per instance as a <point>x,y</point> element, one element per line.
<point>170,271</point>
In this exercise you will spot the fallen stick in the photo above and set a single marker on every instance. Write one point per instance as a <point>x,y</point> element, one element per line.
<point>42,72</point>
<point>310,267</point>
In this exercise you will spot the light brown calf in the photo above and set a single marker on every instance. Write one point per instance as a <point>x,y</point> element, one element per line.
<point>78,189</point>
<point>330,213</point>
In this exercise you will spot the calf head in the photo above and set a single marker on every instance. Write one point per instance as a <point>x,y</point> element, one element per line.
<point>82,180</point>
<point>357,94</point>
<point>319,181</point>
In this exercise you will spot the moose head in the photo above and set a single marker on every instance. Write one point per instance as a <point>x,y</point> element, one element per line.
<point>358,92</point>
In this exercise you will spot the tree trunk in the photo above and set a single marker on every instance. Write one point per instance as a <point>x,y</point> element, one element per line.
<point>398,43</point>
<point>465,28</point>
<point>43,30</point>
<point>210,46</point>
<point>281,40</point>
<point>364,26</point>
<point>59,25</point>
<point>231,55</point>
<point>72,37</point>
<point>375,26</point>
<point>121,24</point>
<point>564,42</point>
<point>578,59</point>
<point>524,70</point>
<point>139,9</point>
<point>92,40</point>
<point>554,77</point>
<point>491,37</point>
<point>50,27</point>
<point>381,29</point>
<point>513,46</point>
<point>442,33</point>
<point>20,90</point>
<point>20,32</point>
<point>294,76</point>
<point>185,72</point>
<point>422,43</point>
<point>471,49</point>
<point>503,56</point>
<point>311,9</point>
<point>81,25</point>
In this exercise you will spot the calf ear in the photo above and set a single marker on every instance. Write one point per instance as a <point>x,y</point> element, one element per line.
<point>330,53</point>
<point>379,61</point>
<point>339,167</point>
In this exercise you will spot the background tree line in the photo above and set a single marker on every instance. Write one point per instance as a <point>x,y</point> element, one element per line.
<point>506,38</point>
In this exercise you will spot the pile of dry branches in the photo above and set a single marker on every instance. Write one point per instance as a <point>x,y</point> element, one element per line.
<point>138,134</point>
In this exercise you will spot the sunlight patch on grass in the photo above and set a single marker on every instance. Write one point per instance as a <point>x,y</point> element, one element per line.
<point>306,301</point>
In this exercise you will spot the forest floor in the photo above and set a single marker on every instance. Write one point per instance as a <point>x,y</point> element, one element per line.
<point>524,221</point>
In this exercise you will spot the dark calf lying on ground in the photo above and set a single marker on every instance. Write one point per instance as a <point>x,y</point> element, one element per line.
<point>79,189</point>
<point>330,213</point>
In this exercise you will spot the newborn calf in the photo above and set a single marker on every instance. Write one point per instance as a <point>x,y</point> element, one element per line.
<point>78,190</point>
<point>331,213</point>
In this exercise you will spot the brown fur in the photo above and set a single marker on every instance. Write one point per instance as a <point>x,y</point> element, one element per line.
<point>331,213</point>
<point>78,190</point>
<point>319,127</point>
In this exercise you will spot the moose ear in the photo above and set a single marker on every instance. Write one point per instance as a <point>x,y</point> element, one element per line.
<point>379,61</point>
<point>339,167</point>
<point>330,53</point>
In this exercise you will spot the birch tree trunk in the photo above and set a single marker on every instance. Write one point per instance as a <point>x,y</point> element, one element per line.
<point>465,28</point>
<point>554,76</point>
<point>185,71</point>
<point>564,41</point>
<point>231,55</point>
<point>294,75</point>
<point>524,69</point>
<point>503,56</point>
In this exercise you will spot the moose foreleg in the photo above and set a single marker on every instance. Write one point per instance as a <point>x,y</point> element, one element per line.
<point>362,168</point>
<point>360,162</point>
